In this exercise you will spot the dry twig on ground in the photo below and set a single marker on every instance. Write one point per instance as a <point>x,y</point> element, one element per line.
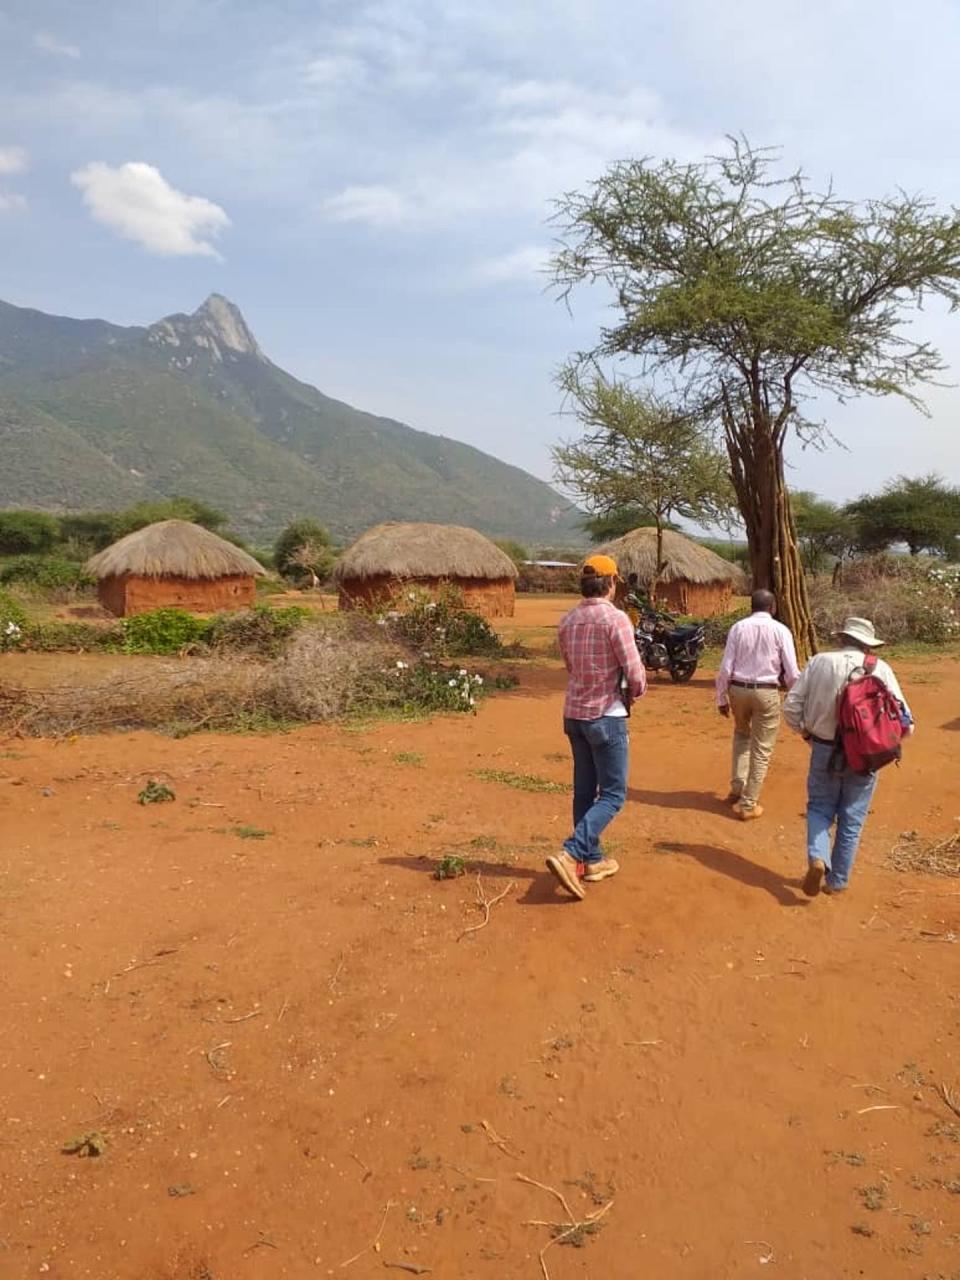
<point>495,1138</point>
<point>485,904</point>
<point>927,857</point>
<point>562,1230</point>
<point>375,1242</point>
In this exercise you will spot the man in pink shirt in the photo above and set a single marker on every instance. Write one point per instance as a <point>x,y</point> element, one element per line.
<point>758,659</point>
<point>606,674</point>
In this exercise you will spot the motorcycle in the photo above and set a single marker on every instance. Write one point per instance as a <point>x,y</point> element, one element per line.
<point>666,646</point>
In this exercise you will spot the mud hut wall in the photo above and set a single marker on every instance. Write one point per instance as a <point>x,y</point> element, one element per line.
<point>696,599</point>
<point>127,595</point>
<point>490,598</point>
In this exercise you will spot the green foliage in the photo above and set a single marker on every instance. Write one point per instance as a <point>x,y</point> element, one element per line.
<point>825,531</point>
<point>907,599</point>
<point>621,520</point>
<point>89,531</point>
<point>716,629</point>
<point>164,631</point>
<point>89,1145</point>
<point>442,627</point>
<point>13,622</point>
<point>923,512</point>
<point>641,454</point>
<point>735,552</point>
<point>73,637</point>
<point>175,508</point>
<point>450,867</point>
<point>46,572</point>
<point>247,832</point>
<point>515,550</point>
<point>427,686</point>
<point>261,630</point>
<point>302,548</point>
<point>27,532</point>
<point>156,793</point>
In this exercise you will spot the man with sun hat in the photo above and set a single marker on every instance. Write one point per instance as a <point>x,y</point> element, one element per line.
<point>606,674</point>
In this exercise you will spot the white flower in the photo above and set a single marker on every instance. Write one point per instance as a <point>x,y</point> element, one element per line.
<point>462,672</point>
<point>381,622</point>
<point>432,604</point>
<point>473,702</point>
<point>411,595</point>
<point>478,679</point>
<point>452,684</point>
<point>402,666</point>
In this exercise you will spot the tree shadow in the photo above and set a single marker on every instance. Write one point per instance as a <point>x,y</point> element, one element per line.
<point>703,801</point>
<point>952,724</point>
<point>542,889</point>
<point>734,865</point>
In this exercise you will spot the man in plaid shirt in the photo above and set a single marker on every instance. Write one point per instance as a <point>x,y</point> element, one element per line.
<point>606,674</point>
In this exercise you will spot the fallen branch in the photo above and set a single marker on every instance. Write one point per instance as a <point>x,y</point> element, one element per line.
<point>948,1098</point>
<point>255,1013</point>
<point>880,1106</point>
<point>485,903</point>
<point>413,1267</point>
<point>375,1242</point>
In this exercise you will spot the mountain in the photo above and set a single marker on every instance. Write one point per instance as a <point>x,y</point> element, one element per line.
<point>95,415</point>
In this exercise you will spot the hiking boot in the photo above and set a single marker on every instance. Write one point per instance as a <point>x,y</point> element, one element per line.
<point>813,880</point>
<point>748,815</point>
<point>602,870</point>
<point>568,872</point>
<point>834,890</point>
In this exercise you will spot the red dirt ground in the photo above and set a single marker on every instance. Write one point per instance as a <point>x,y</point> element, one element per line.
<point>288,1031</point>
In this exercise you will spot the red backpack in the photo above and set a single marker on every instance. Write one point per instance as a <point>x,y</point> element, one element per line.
<point>869,728</point>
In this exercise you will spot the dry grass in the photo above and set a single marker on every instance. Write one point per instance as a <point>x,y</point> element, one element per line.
<point>915,854</point>
<point>322,675</point>
<point>174,548</point>
<point>423,551</point>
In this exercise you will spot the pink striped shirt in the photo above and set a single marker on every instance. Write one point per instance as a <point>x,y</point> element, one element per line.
<point>598,645</point>
<point>758,649</point>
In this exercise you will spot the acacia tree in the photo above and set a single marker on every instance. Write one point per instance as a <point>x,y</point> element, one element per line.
<point>823,529</point>
<point>923,512</point>
<point>757,292</point>
<point>641,452</point>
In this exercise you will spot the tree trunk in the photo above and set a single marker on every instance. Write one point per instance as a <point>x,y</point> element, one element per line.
<point>655,581</point>
<point>756,464</point>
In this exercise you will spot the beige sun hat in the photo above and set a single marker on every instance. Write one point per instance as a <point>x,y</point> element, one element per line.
<point>861,630</point>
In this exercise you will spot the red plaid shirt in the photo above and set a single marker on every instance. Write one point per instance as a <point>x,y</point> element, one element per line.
<point>597,643</point>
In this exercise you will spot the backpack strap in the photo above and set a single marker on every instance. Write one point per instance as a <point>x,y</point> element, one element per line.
<point>869,664</point>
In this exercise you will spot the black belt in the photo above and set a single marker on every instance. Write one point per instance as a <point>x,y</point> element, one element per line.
<point>824,742</point>
<point>752,684</point>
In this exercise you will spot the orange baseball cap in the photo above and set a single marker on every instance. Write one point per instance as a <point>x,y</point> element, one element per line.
<point>602,566</point>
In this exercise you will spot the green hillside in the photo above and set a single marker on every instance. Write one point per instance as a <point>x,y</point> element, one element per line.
<point>94,415</point>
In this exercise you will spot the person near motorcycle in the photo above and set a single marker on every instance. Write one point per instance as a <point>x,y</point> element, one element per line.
<point>759,659</point>
<point>606,675</point>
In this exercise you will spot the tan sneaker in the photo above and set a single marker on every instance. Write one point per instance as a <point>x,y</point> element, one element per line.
<point>748,815</point>
<point>602,870</point>
<point>813,880</point>
<point>566,869</point>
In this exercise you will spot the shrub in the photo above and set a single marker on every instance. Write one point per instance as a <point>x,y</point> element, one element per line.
<point>73,637</point>
<point>303,547</point>
<point>260,630</point>
<point>13,622</point>
<point>716,629</point>
<point>906,599</point>
<point>441,627</point>
<point>48,572</point>
<point>25,532</point>
<point>164,631</point>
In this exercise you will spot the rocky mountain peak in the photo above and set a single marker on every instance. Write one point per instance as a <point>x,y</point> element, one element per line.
<point>217,325</point>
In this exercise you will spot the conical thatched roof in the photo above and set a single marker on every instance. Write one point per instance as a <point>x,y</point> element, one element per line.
<point>685,561</point>
<point>423,551</point>
<point>176,549</point>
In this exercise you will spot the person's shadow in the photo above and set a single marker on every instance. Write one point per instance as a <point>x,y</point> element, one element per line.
<point>704,801</point>
<point>734,865</point>
<point>542,889</point>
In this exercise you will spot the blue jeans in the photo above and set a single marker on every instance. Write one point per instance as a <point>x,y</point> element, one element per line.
<point>600,752</point>
<point>843,798</point>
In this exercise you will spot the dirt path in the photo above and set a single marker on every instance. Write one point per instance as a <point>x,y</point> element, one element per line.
<point>257,993</point>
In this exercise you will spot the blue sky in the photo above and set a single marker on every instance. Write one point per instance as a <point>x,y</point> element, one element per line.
<point>371,181</point>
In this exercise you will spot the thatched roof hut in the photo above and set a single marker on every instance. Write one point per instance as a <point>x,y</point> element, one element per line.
<point>391,558</point>
<point>174,563</point>
<point>695,580</point>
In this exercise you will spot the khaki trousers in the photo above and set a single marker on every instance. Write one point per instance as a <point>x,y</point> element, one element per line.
<point>756,719</point>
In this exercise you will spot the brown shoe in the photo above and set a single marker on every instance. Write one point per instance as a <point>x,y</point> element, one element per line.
<point>732,797</point>
<point>566,869</point>
<point>813,880</point>
<point>748,815</point>
<point>602,870</point>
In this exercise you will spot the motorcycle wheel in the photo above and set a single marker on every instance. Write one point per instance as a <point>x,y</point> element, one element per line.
<point>681,672</point>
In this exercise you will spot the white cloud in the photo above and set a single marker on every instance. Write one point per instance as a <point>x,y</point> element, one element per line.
<point>137,202</point>
<point>377,206</point>
<point>525,265</point>
<point>50,44</point>
<point>11,202</point>
<point>12,160</point>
